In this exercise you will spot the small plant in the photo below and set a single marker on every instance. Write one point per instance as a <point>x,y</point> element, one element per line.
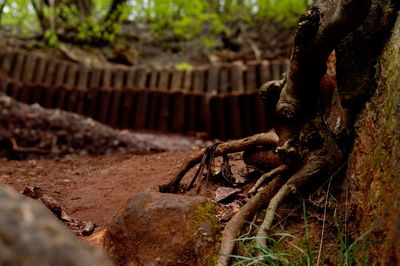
<point>183,66</point>
<point>355,252</point>
<point>251,254</point>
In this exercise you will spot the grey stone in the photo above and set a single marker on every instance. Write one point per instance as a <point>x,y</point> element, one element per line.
<point>31,235</point>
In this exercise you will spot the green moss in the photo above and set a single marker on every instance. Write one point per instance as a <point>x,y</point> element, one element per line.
<point>205,217</point>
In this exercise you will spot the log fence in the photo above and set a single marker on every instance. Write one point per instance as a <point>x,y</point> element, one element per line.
<point>218,101</point>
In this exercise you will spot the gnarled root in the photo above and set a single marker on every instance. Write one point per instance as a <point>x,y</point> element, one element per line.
<point>263,139</point>
<point>274,172</point>
<point>319,164</point>
<point>246,212</point>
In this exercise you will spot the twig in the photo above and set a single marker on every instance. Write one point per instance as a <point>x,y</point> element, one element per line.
<point>16,148</point>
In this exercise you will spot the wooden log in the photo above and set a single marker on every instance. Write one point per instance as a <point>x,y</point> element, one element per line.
<point>104,107</point>
<point>187,80</point>
<point>225,82</point>
<point>13,89</point>
<point>107,78</point>
<point>153,110</point>
<point>237,80</point>
<point>265,72</point>
<point>115,107</point>
<point>25,94</point>
<point>130,79</point>
<point>141,78</point>
<point>71,76</point>
<point>222,114</point>
<point>116,98</point>
<point>164,120</point>
<point>246,115</point>
<point>179,112</point>
<point>60,74</point>
<point>129,108</point>
<point>71,94</point>
<point>92,103</point>
<point>36,94</point>
<point>199,78</point>
<point>4,83</point>
<point>177,80</point>
<point>251,77</point>
<point>141,110</point>
<point>233,118</point>
<point>17,71</point>
<point>29,70</point>
<point>164,80</point>
<point>118,81</point>
<point>40,70</point>
<point>154,76</point>
<point>261,122</point>
<point>62,97</point>
<point>214,103</point>
<point>8,62</point>
<point>83,79</point>
<point>81,101</point>
<point>95,78</point>
<point>276,67</point>
<point>81,90</point>
<point>191,113</point>
<point>286,63</point>
<point>49,96</point>
<point>213,79</point>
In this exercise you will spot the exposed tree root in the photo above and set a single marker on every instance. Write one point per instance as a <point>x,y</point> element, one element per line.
<point>276,171</point>
<point>307,149</point>
<point>263,139</point>
<point>246,213</point>
<point>261,236</point>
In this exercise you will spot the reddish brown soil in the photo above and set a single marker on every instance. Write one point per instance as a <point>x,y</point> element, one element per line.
<point>93,188</point>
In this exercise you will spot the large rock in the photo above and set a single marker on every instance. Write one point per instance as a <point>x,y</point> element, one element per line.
<point>31,235</point>
<point>164,229</point>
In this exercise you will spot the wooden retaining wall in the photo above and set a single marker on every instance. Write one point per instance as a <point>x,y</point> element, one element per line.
<point>219,101</point>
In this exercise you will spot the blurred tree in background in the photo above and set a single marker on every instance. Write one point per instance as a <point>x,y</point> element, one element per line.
<point>100,21</point>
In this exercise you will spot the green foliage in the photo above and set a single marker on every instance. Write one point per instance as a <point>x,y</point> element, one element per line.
<point>183,66</point>
<point>168,19</point>
<point>282,10</point>
<point>20,16</point>
<point>51,38</point>
<point>208,42</point>
<point>185,19</point>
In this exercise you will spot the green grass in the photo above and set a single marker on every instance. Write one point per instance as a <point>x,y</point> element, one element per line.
<point>349,251</point>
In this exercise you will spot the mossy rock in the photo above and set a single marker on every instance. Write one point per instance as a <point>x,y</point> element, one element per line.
<point>164,229</point>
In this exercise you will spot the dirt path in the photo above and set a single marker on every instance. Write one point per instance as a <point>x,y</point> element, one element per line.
<point>93,188</point>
